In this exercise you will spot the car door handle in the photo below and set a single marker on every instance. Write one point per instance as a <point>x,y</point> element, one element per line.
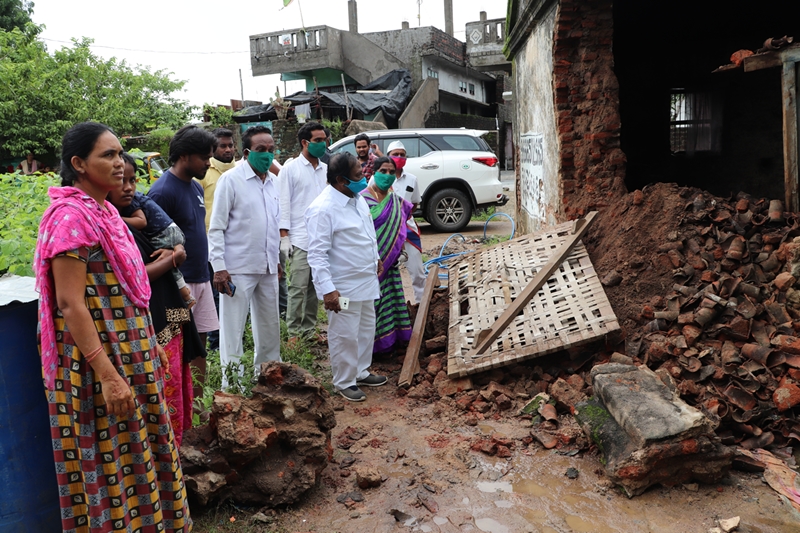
<point>429,166</point>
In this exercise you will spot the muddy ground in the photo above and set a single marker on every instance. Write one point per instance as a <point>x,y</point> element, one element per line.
<point>422,451</point>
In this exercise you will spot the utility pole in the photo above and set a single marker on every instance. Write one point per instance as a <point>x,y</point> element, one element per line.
<point>241,85</point>
<point>419,12</point>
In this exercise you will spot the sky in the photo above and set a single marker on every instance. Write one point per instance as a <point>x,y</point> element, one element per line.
<point>206,42</point>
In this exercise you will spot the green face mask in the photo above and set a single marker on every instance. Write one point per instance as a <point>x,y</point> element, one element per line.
<point>383,181</point>
<point>317,149</point>
<point>260,161</point>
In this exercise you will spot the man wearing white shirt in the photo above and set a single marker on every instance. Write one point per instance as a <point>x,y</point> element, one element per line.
<point>302,180</point>
<point>344,260</point>
<point>244,241</point>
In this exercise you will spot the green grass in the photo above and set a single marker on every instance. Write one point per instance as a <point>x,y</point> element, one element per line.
<point>218,520</point>
<point>483,214</point>
<point>298,352</point>
<point>494,239</point>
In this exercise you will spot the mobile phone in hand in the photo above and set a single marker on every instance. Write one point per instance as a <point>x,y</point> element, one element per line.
<point>232,288</point>
<point>344,303</point>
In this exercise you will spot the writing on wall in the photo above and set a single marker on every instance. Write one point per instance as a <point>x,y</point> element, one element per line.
<point>531,174</point>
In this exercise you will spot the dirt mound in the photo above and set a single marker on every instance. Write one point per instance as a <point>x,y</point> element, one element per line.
<point>265,450</point>
<point>630,238</point>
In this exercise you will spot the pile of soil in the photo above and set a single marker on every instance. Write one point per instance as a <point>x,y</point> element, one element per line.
<point>628,238</point>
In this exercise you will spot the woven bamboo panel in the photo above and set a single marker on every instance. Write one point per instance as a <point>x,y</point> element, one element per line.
<point>571,308</point>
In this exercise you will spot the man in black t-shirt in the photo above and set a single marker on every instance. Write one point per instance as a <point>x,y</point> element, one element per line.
<point>181,197</point>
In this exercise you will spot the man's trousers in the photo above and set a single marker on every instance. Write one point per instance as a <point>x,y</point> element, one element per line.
<point>351,335</point>
<point>257,293</point>
<point>301,313</point>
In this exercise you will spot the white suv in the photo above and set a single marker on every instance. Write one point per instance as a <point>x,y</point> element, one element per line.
<point>456,171</point>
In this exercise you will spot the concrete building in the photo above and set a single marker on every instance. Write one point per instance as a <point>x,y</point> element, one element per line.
<point>446,86</point>
<point>614,94</point>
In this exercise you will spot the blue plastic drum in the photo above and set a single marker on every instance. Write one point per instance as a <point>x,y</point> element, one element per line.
<point>28,487</point>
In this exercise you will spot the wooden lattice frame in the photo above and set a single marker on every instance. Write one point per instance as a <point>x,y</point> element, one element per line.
<point>571,309</point>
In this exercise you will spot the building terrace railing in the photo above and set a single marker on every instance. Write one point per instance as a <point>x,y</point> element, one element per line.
<point>280,42</point>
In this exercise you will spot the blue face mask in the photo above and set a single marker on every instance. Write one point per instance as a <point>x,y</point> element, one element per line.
<point>357,186</point>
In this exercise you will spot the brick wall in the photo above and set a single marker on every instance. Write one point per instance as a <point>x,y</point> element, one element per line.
<point>587,106</point>
<point>448,46</point>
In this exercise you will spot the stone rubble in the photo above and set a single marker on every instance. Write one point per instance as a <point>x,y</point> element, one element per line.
<point>647,434</point>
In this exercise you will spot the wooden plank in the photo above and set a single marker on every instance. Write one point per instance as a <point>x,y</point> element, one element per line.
<point>790,146</point>
<point>486,337</point>
<point>762,61</point>
<point>411,361</point>
<point>790,54</point>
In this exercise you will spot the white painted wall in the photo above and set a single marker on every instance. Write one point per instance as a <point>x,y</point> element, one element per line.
<point>535,115</point>
<point>451,75</point>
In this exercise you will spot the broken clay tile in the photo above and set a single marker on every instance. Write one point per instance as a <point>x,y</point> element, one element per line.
<point>784,281</point>
<point>547,440</point>
<point>775,212</point>
<point>691,333</point>
<point>548,412</point>
<point>740,397</point>
<point>705,315</point>
<point>787,343</point>
<point>740,328</point>
<point>786,396</point>
<point>708,276</point>
<point>777,313</point>
<point>761,441</point>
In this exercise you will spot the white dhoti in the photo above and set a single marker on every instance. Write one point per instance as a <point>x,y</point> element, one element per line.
<point>351,336</point>
<point>257,293</point>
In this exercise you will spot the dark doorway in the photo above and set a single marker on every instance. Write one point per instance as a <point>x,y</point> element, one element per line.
<point>680,123</point>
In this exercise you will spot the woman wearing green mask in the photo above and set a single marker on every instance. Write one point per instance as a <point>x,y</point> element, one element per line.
<point>389,214</point>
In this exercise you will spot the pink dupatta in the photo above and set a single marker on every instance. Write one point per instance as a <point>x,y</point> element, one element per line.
<point>74,220</point>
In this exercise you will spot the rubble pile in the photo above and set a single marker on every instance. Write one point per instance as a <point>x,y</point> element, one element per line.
<point>706,290</point>
<point>727,331</point>
<point>268,449</point>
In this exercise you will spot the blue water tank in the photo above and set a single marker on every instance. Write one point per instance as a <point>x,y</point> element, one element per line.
<point>28,487</point>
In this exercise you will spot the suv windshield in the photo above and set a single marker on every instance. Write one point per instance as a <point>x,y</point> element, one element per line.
<point>464,143</point>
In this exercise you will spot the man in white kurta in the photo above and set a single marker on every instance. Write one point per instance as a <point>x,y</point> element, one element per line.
<point>344,260</point>
<point>301,181</point>
<point>244,243</point>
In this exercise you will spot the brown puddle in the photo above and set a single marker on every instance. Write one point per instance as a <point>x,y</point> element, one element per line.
<point>537,493</point>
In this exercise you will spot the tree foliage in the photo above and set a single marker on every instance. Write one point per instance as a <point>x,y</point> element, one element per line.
<point>43,94</point>
<point>23,200</point>
<point>15,14</point>
<point>218,116</point>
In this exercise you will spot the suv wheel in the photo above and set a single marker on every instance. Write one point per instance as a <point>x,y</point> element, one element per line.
<point>448,210</point>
